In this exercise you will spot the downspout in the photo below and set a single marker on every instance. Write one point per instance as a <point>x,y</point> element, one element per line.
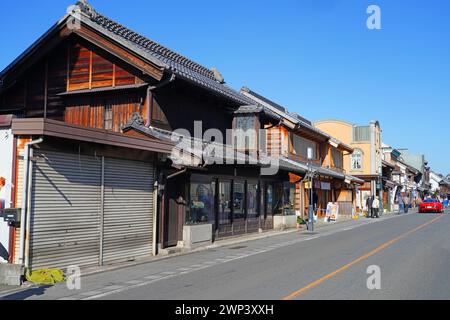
<point>23,214</point>
<point>155,216</point>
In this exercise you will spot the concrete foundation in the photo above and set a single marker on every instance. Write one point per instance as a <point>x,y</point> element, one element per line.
<point>284,222</point>
<point>197,235</point>
<point>11,274</point>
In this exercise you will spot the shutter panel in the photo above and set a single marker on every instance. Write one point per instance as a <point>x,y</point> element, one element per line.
<point>128,210</point>
<point>65,208</point>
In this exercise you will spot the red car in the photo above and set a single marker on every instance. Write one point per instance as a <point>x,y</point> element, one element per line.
<point>431,205</point>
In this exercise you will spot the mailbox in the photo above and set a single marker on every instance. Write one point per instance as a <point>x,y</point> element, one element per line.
<point>11,216</point>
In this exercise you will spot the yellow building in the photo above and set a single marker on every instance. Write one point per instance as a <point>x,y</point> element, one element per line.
<point>366,160</point>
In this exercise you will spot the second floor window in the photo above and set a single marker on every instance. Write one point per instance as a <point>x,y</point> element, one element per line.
<point>301,145</point>
<point>108,118</point>
<point>338,158</point>
<point>356,160</point>
<point>246,137</point>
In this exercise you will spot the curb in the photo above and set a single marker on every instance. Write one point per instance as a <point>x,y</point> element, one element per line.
<point>220,244</point>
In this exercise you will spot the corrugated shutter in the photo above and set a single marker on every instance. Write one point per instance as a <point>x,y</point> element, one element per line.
<point>128,210</point>
<point>65,206</point>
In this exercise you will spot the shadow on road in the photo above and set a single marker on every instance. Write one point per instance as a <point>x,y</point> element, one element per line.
<point>23,295</point>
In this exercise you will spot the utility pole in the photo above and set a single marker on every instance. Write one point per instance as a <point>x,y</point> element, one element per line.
<point>311,200</point>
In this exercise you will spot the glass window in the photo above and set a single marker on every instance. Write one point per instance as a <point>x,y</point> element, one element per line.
<point>108,118</point>
<point>252,201</point>
<point>269,200</point>
<point>278,198</point>
<point>246,133</point>
<point>201,202</point>
<point>338,158</point>
<point>288,198</point>
<point>356,160</point>
<point>224,202</point>
<point>239,200</point>
<point>301,146</point>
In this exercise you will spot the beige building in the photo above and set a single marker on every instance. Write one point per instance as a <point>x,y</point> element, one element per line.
<point>366,160</point>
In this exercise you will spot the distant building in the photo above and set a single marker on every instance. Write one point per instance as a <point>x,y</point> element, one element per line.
<point>365,162</point>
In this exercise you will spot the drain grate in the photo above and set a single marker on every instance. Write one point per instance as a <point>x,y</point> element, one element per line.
<point>238,247</point>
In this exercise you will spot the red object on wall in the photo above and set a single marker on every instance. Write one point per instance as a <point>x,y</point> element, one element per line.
<point>2,182</point>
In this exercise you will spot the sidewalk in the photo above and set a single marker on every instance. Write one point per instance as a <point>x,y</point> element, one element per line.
<point>319,225</point>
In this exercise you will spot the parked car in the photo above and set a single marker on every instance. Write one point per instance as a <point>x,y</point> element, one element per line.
<point>431,205</point>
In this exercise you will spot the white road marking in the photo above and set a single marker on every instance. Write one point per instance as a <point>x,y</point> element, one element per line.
<point>151,278</point>
<point>90,293</point>
<point>133,282</point>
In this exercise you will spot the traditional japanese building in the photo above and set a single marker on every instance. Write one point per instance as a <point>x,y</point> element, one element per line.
<point>365,162</point>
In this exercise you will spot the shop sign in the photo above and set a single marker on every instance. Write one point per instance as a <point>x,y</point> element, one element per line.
<point>325,186</point>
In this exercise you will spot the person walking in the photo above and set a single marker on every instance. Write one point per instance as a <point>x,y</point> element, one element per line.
<point>376,208</point>
<point>369,203</point>
<point>406,202</point>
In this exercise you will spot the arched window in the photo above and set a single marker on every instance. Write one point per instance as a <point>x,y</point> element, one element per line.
<point>356,160</point>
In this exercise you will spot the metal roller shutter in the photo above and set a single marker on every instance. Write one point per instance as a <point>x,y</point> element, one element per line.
<point>65,210</point>
<point>128,210</point>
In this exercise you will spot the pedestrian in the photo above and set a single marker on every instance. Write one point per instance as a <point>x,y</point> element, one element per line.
<point>369,203</point>
<point>406,202</point>
<point>376,208</point>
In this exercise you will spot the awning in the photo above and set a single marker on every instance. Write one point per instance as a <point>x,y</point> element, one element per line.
<point>354,179</point>
<point>59,129</point>
<point>390,184</point>
<point>301,167</point>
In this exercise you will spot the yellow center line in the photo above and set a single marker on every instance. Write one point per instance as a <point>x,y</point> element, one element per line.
<point>314,284</point>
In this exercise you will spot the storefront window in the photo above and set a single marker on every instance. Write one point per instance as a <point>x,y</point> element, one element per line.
<point>288,198</point>
<point>278,198</point>
<point>224,202</point>
<point>269,200</point>
<point>201,201</point>
<point>239,200</point>
<point>252,200</point>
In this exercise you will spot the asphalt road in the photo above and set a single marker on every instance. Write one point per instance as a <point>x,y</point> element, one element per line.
<point>411,253</point>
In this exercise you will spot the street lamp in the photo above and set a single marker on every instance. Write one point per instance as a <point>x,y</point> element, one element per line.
<point>310,175</point>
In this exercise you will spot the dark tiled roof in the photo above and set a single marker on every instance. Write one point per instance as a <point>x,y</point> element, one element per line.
<point>176,63</point>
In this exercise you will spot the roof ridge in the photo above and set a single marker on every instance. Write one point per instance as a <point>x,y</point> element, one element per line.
<point>142,41</point>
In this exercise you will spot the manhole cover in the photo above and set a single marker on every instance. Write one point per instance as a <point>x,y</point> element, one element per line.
<point>238,247</point>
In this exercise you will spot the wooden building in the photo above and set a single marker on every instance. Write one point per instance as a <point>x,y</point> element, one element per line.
<point>289,140</point>
<point>98,177</point>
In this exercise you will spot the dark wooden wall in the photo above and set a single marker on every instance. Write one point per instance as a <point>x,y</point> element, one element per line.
<point>76,65</point>
<point>73,65</point>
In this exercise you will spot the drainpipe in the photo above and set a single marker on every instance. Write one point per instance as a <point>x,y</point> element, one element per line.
<point>23,214</point>
<point>155,216</point>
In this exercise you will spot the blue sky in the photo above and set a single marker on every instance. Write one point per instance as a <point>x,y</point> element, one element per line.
<point>315,57</point>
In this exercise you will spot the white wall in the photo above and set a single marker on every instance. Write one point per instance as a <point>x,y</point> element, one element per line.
<point>434,181</point>
<point>6,154</point>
